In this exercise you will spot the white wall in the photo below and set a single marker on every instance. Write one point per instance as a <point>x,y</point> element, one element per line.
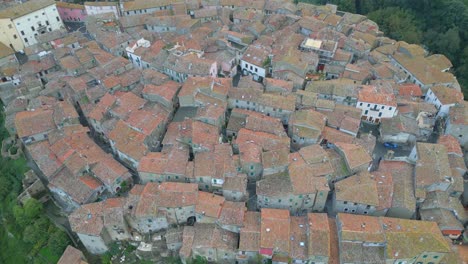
<point>432,98</point>
<point>381,111</point>
<point>253,69</point>
<point>95,10</point>
<point>43,16</point>
<point>94,244</point>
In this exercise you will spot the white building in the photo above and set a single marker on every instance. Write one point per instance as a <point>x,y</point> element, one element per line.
<point>138,7</point>
<point>20,24</point>
<point>253,62</point>
<point>135,57</point>
<point>96,8</point>
<point>375,104</point>
<point>443,98</point>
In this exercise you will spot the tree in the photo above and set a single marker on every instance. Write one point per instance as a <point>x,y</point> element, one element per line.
<point>32,208</point>
<point>5,186</point>
<point>58,241</point>
<point>397,23</point>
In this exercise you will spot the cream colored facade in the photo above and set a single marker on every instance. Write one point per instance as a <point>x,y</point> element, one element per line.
<point>19,30</point>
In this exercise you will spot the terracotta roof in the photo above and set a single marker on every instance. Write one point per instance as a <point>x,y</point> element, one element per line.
<point>447,95</point>
<point>250,232</point>
<point>371,94</point>
<point>334,249</point>
<point>148,199</point>
<point>144,4</point>
<point>127,103</point>
<point>401,174</point>
<point>29,123</point>
<point>354,154</point>
<point>211,236</point>
<point>307,123</point>
<point>459,115</point>
<point>109,170</point>
<point>409,238</point>
<point>409,89</point>
<point>360,228</point>
<point>72,255</point>
<point>128,140</point>
<point>275,230</point>
<point>305,181</point>
<point>232,213</point>
<point>266,141</point>
<point>204,134</point>
<point>146,121</point>
<point>209,204</point>
<point>87,219</point>
<point>255,55</point>
<point>360,188</point>
<point>451,144</point>
<point>423,70</point>
<point>167,91</point>
<point>275,158</point>
<point>174,194</point>
<point>20,10</point>
<point>319,235</point>
<point>237,183</point>
<point>432,165</point>
<point>275,185</point>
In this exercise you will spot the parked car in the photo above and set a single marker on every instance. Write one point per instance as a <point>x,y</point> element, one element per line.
<point>390,145</point>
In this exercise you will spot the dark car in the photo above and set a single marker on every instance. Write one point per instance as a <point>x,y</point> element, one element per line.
<point>390,145</point>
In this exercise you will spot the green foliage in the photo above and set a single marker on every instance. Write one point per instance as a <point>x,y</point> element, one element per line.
<point>26,234</point>
<point>199,260</point>
<point>397,23</point>
<point>32,208</point>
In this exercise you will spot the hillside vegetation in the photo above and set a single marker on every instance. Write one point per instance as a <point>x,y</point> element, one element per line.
<point>26,234</point>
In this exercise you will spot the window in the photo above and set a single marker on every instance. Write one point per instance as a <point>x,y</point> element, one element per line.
<point>58,19</point>
<point>365,212</point>
<point>436,257</point>
<point>346,209</point>
<point>251,167</point>
<point>206,186</point>
<point>150,221</point>
<point>14,36</point>
<point>279,200</point>
<point>424,256</point>
<point>367,111</point>
<point>290,200</point>
<point>256,70</point>
<point>368,105</point>
<point>383,107</point>
<point>22,32</point>
<point>26,40</point>
<point>300,196</point>
<point>380,114</point>
<point>32,28</point>
<point>345,202</point>
<point>390,108</point>
<point>10,26</point>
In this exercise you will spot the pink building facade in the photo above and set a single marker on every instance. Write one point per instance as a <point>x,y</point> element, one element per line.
<point>71,12</point>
